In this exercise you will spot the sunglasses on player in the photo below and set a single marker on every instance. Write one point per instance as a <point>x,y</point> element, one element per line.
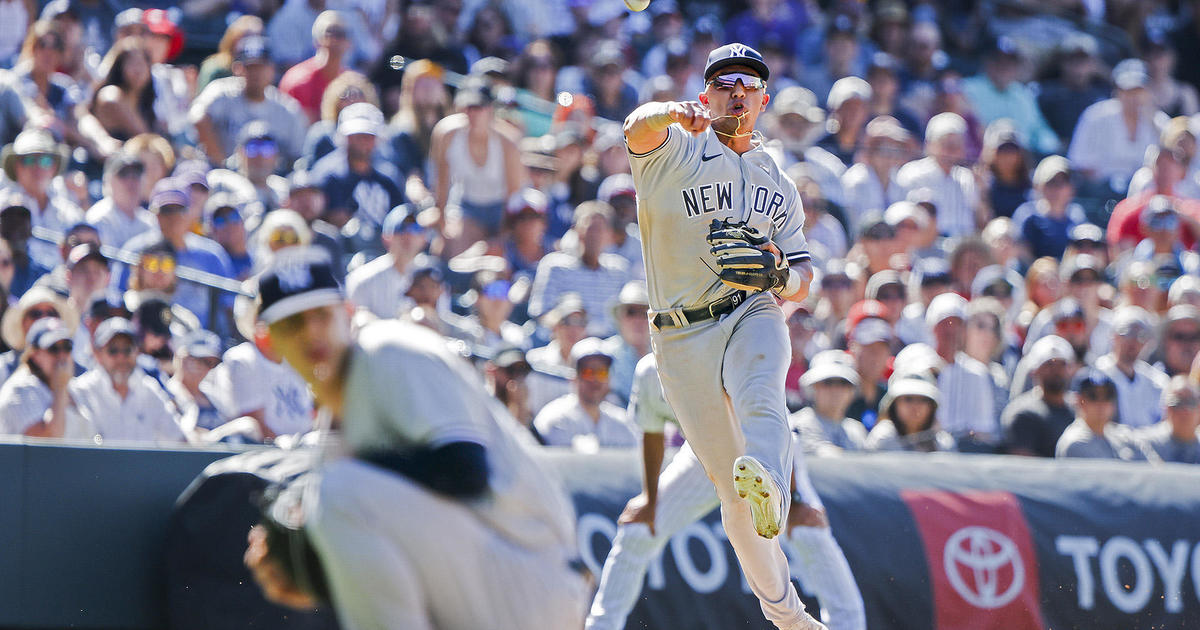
<point>729,81</point>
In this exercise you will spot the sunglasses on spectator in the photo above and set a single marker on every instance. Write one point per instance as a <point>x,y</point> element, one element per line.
<point>35,314</point>
<point>886,296</point>
<point>261,149</point>
<point>131,172</point>
<point>122,351</point>
<point>1184,337</point>
<point>579,321</point>
<point>227,218</point>
<point>879,232</point>
<point>284,237</point>
<point>337,33</point>
<point>1000,290</point>
<point>1084,278</point>
<point>594,374</point>
<point>156,264</point>
<point>41,160</point>
<point>496,290</point>
<point>1087,244</point>
<point>61,348</point>
<point>729,81</point>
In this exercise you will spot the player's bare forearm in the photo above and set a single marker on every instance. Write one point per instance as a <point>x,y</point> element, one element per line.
<point>803,274</point>
<point>653,448</point>
<point>646,126</point>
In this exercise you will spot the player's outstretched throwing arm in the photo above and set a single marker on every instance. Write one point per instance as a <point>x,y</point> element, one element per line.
<point>646,126</point>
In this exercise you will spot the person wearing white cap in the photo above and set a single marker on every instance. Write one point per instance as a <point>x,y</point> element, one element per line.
<point>849,105</point>
<point>1034,420</point>
<point>355,183</point>
<point>632,341</point>
<point>583,420</point>
<point>870,183</point>
<point>823,426</point>
<point>966,408</point>
<point>1139,384</point>
<point>908,419</point>
<point>34,400</point>
<point>1045,222</point>
<point>1111,136</point>
<point>119,401</point>
<point>952,185</point>
<point>869,343</point>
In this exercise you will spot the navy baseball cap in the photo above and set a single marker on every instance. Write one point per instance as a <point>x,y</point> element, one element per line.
<point>298,279</point>
<point>1090,379</point>
<point>736,55</point>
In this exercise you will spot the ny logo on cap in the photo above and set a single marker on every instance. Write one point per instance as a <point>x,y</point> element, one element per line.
<point>737,50</point>
<point>294,277</point>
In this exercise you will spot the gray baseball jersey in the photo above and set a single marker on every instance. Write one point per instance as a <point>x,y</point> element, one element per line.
<point>687,182</point>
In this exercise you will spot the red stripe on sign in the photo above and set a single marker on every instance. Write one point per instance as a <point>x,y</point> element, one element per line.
<point>981,559</point>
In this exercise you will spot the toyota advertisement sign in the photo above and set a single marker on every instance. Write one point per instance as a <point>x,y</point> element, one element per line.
<point>936,542</point>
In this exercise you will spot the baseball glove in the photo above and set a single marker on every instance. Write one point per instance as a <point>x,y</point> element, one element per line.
<point>282,518</point>
<point>744,263</point>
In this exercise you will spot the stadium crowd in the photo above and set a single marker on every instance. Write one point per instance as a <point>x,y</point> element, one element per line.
<point>1002,201</point>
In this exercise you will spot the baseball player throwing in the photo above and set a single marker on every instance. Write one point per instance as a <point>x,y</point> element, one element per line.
<point>721,231</point>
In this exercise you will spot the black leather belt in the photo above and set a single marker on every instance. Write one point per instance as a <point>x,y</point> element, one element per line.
<point>690,316</point>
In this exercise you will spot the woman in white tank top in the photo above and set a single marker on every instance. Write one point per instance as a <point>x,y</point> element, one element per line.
<point>478,167</point>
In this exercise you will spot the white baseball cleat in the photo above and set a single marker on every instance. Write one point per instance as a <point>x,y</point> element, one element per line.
<point>754,484</point>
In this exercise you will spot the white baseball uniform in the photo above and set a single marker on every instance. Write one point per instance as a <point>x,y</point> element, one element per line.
<point>686,495</point>
<point>401,557</point>
<point>723,377</point>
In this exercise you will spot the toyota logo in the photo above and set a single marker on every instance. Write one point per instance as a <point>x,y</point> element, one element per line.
<point>974,560</point>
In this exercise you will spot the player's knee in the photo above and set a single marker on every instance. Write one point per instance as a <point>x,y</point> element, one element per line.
<point>804,515</point>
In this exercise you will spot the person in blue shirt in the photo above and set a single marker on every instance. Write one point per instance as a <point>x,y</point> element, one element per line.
<point>1045,223</point>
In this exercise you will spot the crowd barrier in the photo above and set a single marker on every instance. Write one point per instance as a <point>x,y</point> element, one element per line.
<point>109,538</point>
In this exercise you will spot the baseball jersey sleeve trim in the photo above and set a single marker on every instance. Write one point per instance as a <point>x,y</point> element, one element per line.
<point>798,257</point>
<point>651,151</point>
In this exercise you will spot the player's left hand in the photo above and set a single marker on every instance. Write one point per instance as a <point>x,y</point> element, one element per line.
<point>639,510</point>
<point>276,586</point>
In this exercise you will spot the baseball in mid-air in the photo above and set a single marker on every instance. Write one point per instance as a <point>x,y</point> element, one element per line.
<point>637,5</point>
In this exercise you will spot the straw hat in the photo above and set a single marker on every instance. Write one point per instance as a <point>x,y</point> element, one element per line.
<point>32,142</point>
<point>10,326</point>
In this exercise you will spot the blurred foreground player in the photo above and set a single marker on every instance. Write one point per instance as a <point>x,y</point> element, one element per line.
<point>429,511</point>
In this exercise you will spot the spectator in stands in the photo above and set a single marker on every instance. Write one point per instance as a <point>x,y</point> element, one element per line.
<point>922,65</point>
<point>1175,438</point>
<point>826,234</point>
<point>1126,227</point>
<point>252,175</point>
<point>16,230</point>
<point>1045,223</point>
<point>954,186</point>
<point>224,223</point>
<point>999,94</point>
<point>595,275</point>
<point>797,123</point>
<point>505,376</point>
<point>169,205</point>
<point>1111,137</point>
<point>157,157</point>
<point>31,163</point>
<point>47,93</point>
<point>124,101</point>
<point>1078,85</point>
<point>224,107</point>
<point>1033,421</point>
<point>869,341</point>
<point>423,102</point>
<point>280,229</point>
<point>1093,433</point>
<point>966,407</point>
<point>884,79</point>
<point>487,327</point>
<point>567,323</point>
<point>841,58</point>
<point>533,73</point>
<point>86,276</point>
<point>346,89</point>
<point>870,184</point>
<point>1161,224</point>
<point>199,353</point>
<point>888,289</point>
<point>967,257</point>
<point>119,215</point>
<point>605,83</point>
<point>119,402</point>
<point>524,241</point>
<point>1168,95</point>
<point>848,105</point>
<point>477,165</point>
<point>220,64</point>
<point>841,284</point>
<point>1139,385</point>
<point>632,341</point>
<point>1177,174</point>
<point>806,341</point>
<point>1003,169</point>
<point>984,342</point>
<point>307,80</point>
<point>823,426</point>
<point>1180,340</point>
<point>378,286</point>
<point>34,399</point>
<point>307,198</point>
<point>583,420</point>
<point>37,303</point>
<point>355,183</point>
<point>877,244</point>
<point>252,381</point>
<point>908,419</point>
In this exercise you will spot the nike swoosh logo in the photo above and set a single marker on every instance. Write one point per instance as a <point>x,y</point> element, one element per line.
<point>705,158</point>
